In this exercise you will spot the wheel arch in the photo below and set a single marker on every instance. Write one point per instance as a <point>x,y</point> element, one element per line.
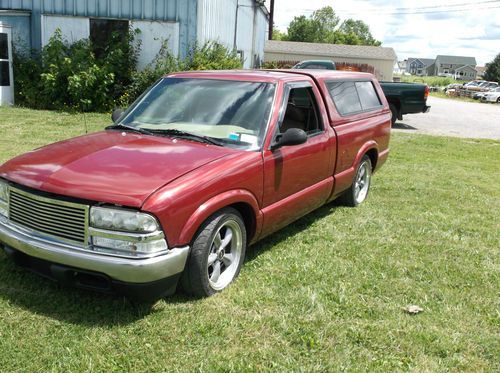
<point>371,150</point>
<point>241,200</point>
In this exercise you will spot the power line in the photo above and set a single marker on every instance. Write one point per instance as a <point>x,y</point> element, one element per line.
<point>420,10</point>
<point>375,12</point>
<point>447,5</point>
<point>432,11</point>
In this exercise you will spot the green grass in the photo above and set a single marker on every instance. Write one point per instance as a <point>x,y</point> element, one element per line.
<point>324,294</point>
<point>431,81</point>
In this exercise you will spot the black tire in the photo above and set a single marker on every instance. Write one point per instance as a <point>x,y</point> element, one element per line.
<point>354,196</point>
<point>394,113</point>
<point>498,100</point>
<point>198,278</point>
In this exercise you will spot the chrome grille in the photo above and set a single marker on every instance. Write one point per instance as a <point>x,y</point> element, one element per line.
<point>56,218</point>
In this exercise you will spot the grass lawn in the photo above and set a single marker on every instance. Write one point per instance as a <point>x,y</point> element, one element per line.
<point>324,294</point>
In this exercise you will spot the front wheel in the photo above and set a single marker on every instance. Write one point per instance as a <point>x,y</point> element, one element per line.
<point>217,254</point>
<point>358,191</point>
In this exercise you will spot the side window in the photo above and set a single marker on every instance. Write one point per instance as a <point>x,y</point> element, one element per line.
<point>315,66</point>
<point>367,95</point>
<point>302,112</point>
<point>353,97</point>
<point>345,97</point>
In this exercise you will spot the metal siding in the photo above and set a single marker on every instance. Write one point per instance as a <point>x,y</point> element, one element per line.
<point>20,25</point>
<point>216,22</point>
<point>201,20</point>
<point>182,11</point>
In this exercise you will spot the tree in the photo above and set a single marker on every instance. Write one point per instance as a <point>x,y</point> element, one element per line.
<point>358,32</point>
<point>278,35</point>
<point>492,72</point>
<point>303,29</point>
<point>323,27</point>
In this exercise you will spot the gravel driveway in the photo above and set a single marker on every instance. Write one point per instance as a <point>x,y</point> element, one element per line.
<point>454,118</point>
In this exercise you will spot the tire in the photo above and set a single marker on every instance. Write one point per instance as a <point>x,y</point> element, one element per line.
<point>394,113</point>
<point>216,258</point>
<point>360,187</point>
<point>498,100</point>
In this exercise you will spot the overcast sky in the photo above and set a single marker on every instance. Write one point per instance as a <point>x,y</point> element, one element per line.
<point>474,31</point>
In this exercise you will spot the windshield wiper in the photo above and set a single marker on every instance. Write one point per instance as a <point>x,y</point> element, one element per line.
<point>128,128</point>
<point>186,135</point>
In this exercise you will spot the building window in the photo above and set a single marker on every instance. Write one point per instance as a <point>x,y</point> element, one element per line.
<point>103,31</point>
<point>4,65</point>
<point>4,47</point>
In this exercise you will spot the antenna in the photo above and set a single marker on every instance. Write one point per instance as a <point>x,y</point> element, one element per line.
<point>85,123</point>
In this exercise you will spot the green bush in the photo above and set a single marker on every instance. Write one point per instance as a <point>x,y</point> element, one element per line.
<point>70,76</point>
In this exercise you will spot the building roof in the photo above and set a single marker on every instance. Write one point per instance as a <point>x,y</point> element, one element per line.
<point>330,50</point>
<point>425,61</point>
<point>466,67</point>
<point>457,60</point>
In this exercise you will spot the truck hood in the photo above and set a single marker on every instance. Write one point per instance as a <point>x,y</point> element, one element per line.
<point>110,166</point>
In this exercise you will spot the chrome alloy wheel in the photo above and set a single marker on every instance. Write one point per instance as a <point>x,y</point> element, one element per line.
<point>225,255</point>
<point>362,182</point>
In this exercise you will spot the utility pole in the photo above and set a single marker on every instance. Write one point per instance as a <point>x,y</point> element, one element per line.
<point>271,19</point>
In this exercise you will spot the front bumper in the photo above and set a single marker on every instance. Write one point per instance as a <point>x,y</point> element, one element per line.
<point>126,270</point>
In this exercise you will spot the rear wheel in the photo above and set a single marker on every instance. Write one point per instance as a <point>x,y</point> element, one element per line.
<point>216,255</point>
<point>394,113</point>
<point>358,191</point>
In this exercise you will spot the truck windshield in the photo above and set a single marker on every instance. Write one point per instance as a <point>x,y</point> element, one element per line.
<point>232,113</point>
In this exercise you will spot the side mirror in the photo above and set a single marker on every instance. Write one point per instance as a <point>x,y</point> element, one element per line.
<point>292,136</point>
<point>117,113</point>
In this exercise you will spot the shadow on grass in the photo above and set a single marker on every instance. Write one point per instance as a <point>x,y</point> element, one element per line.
<point>291,230</point>
<point>42,296</point>
<point>403,126</point>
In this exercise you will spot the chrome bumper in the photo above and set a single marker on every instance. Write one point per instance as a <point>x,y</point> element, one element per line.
<point>118,268</point>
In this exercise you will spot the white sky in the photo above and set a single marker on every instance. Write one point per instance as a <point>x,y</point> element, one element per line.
<point>474,32</point>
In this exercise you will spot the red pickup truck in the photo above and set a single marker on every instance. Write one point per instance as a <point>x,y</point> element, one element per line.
<point>200,166</point>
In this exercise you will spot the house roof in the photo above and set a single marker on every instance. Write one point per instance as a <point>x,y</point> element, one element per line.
<point>330,50</point>
<point>425,61</point>
<point>457,60</point>
<point>466,67</point>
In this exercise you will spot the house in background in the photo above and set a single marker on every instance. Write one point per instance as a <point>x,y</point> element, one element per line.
<point>380,60</point>
<point>419,66</point>
<point>480,71</point>
<point>460,67</point>
<point>240,25</point>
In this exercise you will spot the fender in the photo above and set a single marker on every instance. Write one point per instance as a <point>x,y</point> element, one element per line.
<point>216,203</point>
<point>364,149</point>
<point>344,179</point>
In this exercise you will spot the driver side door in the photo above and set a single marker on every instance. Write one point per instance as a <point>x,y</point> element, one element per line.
<point>298,178</point>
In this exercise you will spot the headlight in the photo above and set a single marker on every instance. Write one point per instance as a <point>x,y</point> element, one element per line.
<point>122,220</point>
<point>4,191</point>
<point>4,197</point>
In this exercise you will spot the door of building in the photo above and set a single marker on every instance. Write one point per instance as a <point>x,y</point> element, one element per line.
<point>6,75</point>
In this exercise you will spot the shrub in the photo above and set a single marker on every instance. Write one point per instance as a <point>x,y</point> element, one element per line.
<point>70,77</point>
<point>210,56</point>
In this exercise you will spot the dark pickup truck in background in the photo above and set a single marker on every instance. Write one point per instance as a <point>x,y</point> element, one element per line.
<point>403,98</point>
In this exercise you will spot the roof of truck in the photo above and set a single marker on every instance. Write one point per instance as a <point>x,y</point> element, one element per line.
<point>284,75</point>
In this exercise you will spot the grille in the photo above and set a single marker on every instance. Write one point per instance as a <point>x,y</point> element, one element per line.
<point>56,218</point>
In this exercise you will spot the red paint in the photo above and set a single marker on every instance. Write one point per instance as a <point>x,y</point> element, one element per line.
<point>184,182</point>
